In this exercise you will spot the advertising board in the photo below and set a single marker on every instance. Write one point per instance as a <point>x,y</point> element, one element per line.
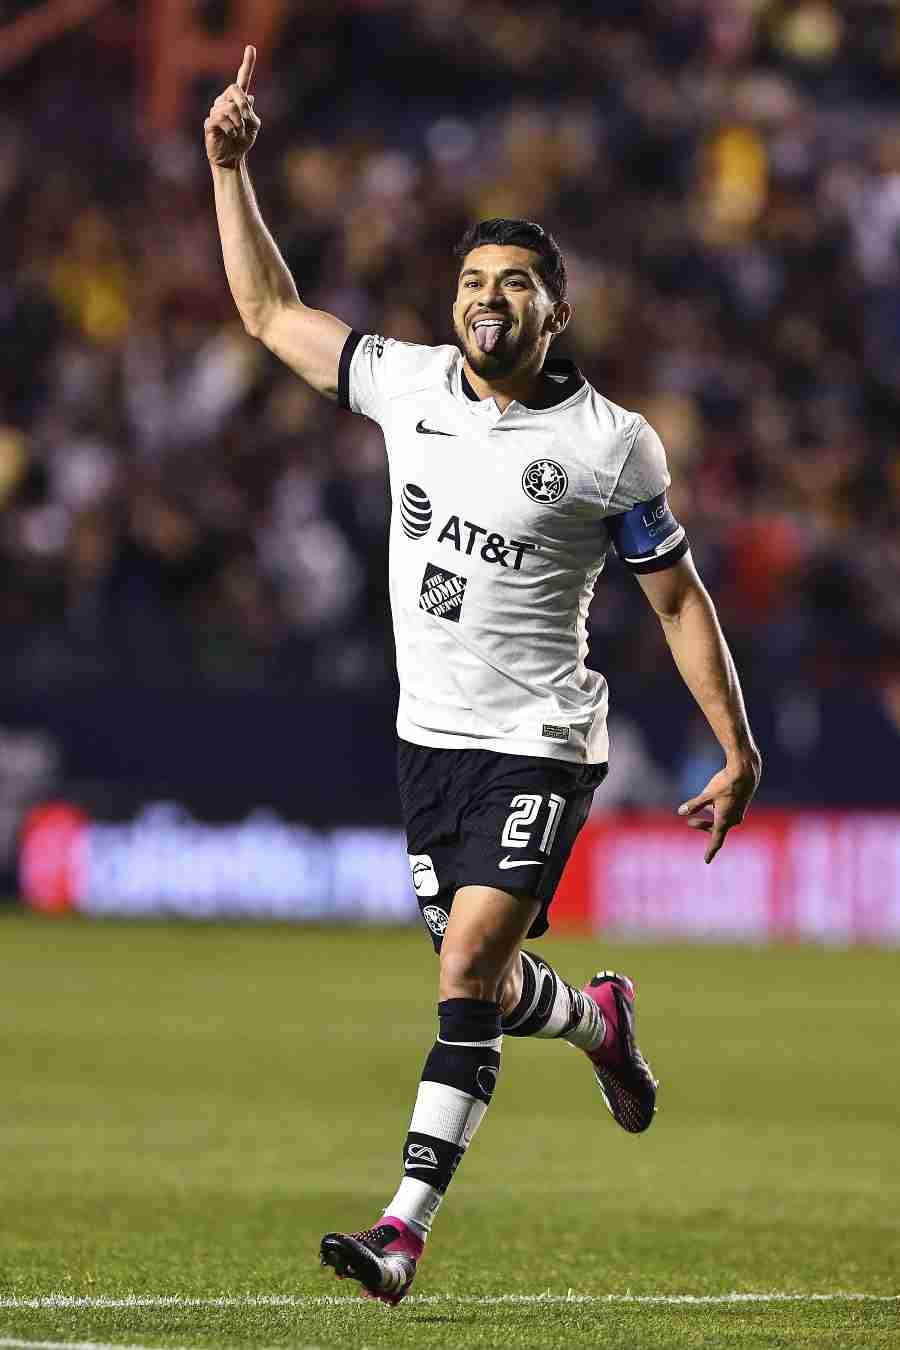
<point>791,875</point>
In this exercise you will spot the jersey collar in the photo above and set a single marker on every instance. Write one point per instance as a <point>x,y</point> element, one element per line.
<point>562,379</point>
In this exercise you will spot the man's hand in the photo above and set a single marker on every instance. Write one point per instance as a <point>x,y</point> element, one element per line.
<point>231,127</point>
<point>723,802</point>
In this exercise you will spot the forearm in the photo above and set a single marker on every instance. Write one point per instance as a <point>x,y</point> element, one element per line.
<point>706,666</point>
<point>259,279</point>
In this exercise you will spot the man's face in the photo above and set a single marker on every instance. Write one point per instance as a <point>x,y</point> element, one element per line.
<point>503,314</point>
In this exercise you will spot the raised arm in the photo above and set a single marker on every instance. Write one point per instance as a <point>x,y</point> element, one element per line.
<point>308,340</point>
<point>701,654</point>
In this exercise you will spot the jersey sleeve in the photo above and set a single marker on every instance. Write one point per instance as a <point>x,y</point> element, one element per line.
<point>640,523</point>
<point>373,368</point>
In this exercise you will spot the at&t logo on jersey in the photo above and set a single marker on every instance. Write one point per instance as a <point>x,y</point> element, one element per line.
<point>494,547</point>
<point>415,511</point>
<point>545,481</point>
<point>442,593</point>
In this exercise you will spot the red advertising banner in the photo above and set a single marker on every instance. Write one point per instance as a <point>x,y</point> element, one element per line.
<point>51,856</point>
<point>825,876</point>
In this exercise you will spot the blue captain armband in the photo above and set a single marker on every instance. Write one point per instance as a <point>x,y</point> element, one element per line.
<point>648,538</point>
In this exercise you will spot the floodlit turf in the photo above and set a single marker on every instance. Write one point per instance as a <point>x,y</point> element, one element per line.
<point>186,1109</point>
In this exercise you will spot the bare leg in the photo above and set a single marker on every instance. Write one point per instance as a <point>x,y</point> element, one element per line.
<point>480,951</point>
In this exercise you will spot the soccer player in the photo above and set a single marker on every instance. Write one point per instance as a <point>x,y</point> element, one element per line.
<point>510,479</point>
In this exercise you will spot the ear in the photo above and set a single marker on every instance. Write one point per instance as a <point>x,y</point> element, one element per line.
<point>558,320</point>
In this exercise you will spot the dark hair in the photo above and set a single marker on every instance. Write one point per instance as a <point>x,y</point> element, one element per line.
<point>550,266</point>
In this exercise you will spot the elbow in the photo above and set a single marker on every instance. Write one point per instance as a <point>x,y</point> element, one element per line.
<point>252,326</point>
<point>673,610</point>
<point>256,320</point>
<point>669,615</point>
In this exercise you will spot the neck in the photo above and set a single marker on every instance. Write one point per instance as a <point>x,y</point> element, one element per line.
<point>505,389</point>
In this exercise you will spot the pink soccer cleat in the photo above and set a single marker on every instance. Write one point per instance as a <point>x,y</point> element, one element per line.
<point>383,1259</point>
<point>628,1086</point>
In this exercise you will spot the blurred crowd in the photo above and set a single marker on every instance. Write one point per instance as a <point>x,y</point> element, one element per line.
<point>724,179</point>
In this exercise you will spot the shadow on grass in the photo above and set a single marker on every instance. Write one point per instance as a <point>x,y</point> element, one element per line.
<point>452,1319</point>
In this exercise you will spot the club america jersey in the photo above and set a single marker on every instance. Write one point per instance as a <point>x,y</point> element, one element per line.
<point>500,526</point>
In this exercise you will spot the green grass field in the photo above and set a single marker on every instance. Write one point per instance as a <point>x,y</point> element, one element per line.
<point>186,1109</point>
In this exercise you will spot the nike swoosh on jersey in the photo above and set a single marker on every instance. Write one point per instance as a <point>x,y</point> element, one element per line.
<point>431,431</point>
<point>507,862</point>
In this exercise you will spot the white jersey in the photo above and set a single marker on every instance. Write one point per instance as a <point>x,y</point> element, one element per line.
<point>500,526</point>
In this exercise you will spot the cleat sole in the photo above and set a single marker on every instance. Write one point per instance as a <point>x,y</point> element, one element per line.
<point>351,1260</point>
<point>345,1263</point>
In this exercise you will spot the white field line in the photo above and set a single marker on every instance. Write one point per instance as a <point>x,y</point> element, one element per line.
<point>151,1301</point>
<point>13,1344</point>
<point>67,1345</point>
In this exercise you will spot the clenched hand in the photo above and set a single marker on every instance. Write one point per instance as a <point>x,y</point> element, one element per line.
<point>231,127</point>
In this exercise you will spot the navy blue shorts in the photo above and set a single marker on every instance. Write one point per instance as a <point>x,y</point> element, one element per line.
<point>478,818</point>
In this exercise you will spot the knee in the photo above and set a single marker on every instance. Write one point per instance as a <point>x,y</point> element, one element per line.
<point>469,973</point>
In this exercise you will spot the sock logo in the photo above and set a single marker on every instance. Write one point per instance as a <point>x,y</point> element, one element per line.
<point>486,1078</point>
<point>420,1155</point>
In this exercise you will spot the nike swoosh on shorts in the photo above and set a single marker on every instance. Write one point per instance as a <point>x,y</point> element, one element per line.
<point>506,862</point>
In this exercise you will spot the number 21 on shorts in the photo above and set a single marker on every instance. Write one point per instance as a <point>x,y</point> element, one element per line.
<point>526,807</point>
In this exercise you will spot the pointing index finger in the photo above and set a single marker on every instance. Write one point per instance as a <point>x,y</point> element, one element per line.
<point>717,839</point>
<point>246,70</point>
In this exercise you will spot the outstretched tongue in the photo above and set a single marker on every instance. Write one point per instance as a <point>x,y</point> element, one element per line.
<point>487,335</point>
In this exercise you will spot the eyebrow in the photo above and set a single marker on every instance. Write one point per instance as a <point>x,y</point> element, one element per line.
<point>507,272</point>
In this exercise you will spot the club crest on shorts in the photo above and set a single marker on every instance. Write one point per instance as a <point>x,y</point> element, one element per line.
<point>545,481</point>
<point>424,877</point>
<point>436,918</point>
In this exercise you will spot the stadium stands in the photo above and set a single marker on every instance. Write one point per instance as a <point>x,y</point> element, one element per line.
<point>181,514</point>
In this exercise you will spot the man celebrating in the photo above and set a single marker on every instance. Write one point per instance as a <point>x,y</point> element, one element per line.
<point>510,478</point>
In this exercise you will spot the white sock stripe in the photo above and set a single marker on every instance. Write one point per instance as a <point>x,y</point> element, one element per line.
<point>495,1044</point>
<point>538,986</point>
<point>446,1113</point>
<point>560,1012</point>
<point>589,1031</point>
<point>416,1203</point>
